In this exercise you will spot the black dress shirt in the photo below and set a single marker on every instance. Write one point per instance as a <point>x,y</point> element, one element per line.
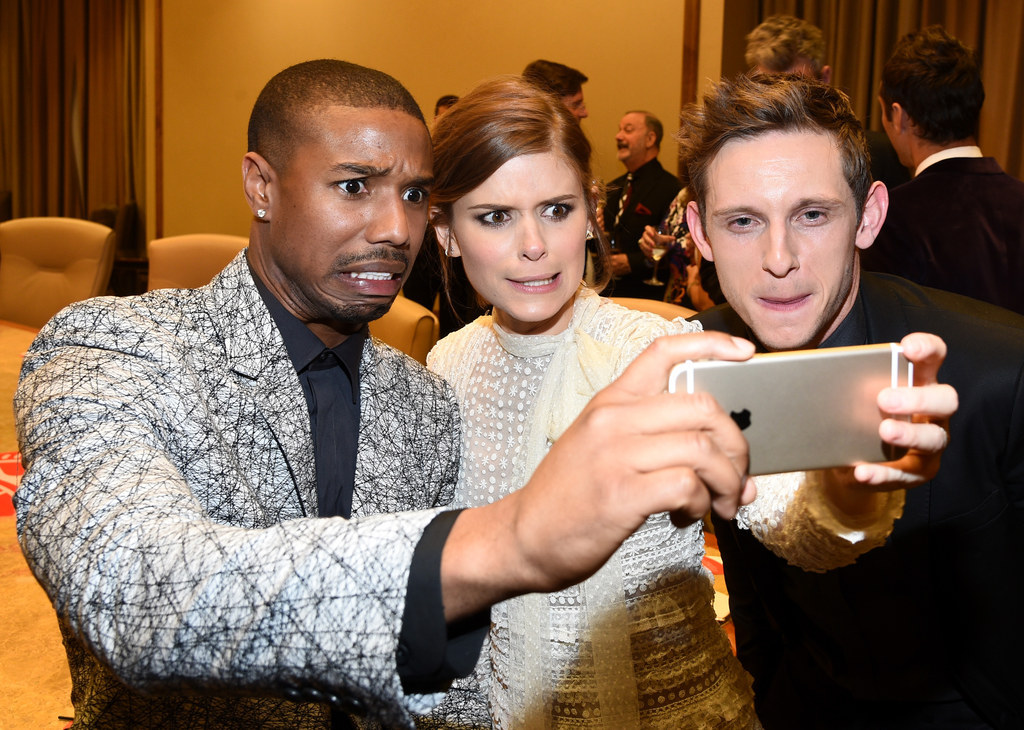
<point>430,653</point>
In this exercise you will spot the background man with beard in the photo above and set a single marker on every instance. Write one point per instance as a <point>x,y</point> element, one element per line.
<point>637,199</point>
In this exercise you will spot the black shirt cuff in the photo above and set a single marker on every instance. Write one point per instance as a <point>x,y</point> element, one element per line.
<point>430,652</point>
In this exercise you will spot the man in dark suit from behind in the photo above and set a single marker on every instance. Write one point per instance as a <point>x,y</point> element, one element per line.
<point>959,224</point>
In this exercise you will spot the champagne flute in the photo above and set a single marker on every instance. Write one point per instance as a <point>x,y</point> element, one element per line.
<point>657,253</point>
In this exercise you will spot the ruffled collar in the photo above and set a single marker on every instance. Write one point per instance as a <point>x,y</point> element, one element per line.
<point>585,306</point>
<point>580,366</point>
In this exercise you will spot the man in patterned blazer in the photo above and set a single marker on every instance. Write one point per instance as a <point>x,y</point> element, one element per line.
<point>234,497</point>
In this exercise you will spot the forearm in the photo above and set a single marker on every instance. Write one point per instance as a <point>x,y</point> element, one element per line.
<point>795,517</point>
<point>480,565</point>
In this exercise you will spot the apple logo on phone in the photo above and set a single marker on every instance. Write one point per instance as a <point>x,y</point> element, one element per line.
<point>742,418</point>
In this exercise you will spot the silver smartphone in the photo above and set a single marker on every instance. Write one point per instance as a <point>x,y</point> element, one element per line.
<point>804,409</point>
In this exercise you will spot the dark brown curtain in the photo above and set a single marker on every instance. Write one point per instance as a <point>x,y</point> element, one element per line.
<point>860,35</point>
<point>71,107</point>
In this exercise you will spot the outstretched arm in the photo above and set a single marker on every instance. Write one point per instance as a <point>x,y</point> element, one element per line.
<point>635,450</point>
<point>827,519</point>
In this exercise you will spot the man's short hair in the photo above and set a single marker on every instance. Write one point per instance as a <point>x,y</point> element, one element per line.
<point>281,117</point>
<point>556,78</point>
<point>653,124</point>
<point>754,105</point>
<point>444,101</point>
<point>781,41</point>
<point>936,79</point>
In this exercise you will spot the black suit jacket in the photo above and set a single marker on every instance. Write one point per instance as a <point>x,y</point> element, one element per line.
<point>935,613</point>
<point>957,226</point>
<point>654,189</point>
<point>885,163</point>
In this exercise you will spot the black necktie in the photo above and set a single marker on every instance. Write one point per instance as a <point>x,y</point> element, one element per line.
<point>624,200</point>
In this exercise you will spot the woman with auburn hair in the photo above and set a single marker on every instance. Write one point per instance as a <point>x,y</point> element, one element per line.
<point>637,644</point>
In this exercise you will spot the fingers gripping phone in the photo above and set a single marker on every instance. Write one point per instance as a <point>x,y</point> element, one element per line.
<point>804,409</point>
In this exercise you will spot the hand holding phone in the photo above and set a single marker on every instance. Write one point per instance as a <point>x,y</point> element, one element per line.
<point>804,409</point>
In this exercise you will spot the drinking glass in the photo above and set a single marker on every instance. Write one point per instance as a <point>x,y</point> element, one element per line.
<point>657,253</point>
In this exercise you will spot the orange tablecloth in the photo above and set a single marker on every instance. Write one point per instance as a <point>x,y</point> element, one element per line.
<point>14,340</point>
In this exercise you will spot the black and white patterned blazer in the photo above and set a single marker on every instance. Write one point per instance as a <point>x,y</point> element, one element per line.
<point>169,478</point>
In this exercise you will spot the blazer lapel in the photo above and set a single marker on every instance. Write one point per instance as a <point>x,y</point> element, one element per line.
<point>257,355</point>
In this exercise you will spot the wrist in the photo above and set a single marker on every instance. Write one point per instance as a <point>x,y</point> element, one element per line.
<point>482,562</point>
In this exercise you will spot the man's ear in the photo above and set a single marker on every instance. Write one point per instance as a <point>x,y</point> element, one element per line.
<point>697,231</point>
<point>445,237</point>
<point>826,74</point>
<point>900,119</point>
<point>875,207</point>
<point>256,184</point>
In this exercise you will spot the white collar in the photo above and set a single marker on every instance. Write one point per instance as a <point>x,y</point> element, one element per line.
<point>965,151</point>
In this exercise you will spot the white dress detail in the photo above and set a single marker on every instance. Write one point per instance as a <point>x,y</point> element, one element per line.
<point>637,645</point>
<point>794,519</point>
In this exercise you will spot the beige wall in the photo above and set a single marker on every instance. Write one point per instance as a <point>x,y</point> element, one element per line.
<point>217,55</point>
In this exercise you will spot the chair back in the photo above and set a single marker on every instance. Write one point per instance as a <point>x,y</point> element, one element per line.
<point>191,260</point>
<point>409,327</point>
<point>665,309</point>
<point>47,263</point>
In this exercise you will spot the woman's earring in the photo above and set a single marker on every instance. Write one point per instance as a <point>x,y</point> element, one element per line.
<point>261,213</point>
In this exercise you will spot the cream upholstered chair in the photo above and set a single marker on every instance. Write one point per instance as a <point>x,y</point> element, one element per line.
<point>47,263</point>
<point>409,327</point>
<point>665,309</point>
<point>191,260</point>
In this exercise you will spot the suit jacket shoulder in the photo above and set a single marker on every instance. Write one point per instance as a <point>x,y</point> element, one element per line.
<point>958,226</point>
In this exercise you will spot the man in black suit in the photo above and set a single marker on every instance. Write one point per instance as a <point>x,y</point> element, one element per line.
<point>959,224</point>
<point>635,200</point>
<point>922,631</point>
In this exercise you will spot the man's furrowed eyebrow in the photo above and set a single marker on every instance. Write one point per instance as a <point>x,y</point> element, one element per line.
<point>363,170</point>
<point>422,182</point>
<point>731,211</point>
<point>820,203</point>
<point>360,169</point>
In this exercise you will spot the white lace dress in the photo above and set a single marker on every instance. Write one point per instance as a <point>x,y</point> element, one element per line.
<point>636,645</point>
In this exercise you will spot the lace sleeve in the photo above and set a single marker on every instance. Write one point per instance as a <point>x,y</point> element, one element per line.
<point>796,521</point>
